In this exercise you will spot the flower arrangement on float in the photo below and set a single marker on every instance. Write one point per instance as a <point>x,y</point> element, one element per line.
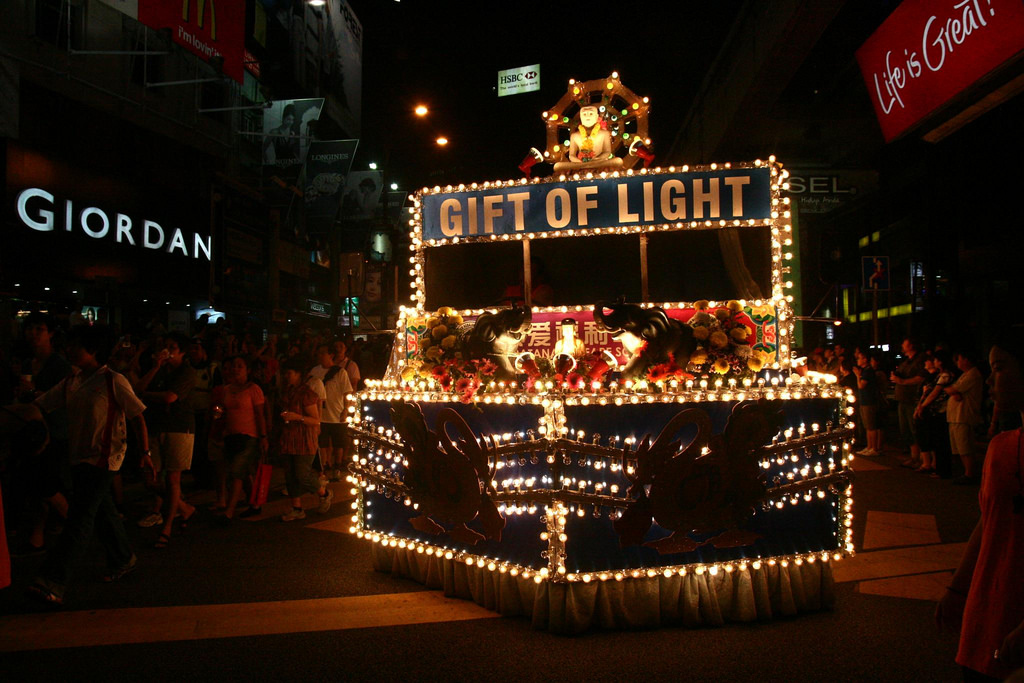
<point>724,349</point>
<point>724,338</point>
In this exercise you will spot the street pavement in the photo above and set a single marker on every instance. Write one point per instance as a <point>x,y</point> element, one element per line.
<point>299,601</point>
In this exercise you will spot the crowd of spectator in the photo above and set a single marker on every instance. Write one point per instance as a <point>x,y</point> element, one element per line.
<point>153,404</point>
<point>938,400</point>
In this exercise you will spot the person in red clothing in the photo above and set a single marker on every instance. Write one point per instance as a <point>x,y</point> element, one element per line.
<point>985,600</point>
<point>300,411</point>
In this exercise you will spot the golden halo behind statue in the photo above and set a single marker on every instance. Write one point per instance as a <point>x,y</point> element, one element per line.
<point>623,114</point>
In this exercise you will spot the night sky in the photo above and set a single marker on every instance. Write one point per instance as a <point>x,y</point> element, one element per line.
<point>447,55</point>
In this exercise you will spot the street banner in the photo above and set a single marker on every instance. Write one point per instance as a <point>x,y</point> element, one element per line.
<point>327,166</point>
<point>395,203</point>
<point>206,28</point>
<point>739,194</point>
<point>928,52</point>
<point>516,81</point>
<point>875,273</point>
<point>287,134</point>
<point>343,63</point>
<point>362,195</point>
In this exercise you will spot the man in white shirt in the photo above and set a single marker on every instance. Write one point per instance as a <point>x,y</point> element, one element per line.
<point>963,413</point>
<point>337,386</point>
<point>100,404</point>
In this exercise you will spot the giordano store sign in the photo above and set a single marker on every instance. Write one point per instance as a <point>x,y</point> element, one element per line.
<point>40,211</point>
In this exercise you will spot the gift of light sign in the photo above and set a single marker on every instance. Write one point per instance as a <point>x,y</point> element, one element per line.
<point>655,199</point>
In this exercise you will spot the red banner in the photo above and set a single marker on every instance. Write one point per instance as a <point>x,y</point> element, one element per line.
<point>928,51</point>
<point>207,28</point>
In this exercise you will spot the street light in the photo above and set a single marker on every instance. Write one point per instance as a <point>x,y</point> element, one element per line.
<point>442,141</point>
<point>394,186</point>
<point>373,165</point>
<point>421,110</point>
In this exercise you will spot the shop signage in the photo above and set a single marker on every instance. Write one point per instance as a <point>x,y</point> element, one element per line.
<point>327,165</point>
<point>207,28</point>
<point>39,210</point>
<point>320,309</point>
<point>515,81</point>
<point>929,51</point>
<point>708,196</point>
<point>823,191</point>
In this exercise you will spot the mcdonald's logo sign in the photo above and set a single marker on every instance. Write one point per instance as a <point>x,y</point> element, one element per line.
<point>206,28</point>
<point>201,14</point>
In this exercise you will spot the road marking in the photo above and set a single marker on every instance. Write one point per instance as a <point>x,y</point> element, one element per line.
<point>893,529</point>
<point>201,622</point>
<point>883,564</point>
<point>918,587</point>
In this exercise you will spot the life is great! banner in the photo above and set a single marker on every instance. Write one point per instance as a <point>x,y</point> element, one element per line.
<point>207,28</point>
<point>655,199</point>
<point>928,51</point>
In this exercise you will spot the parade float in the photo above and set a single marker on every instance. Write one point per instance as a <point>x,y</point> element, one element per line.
<point>592,416</point>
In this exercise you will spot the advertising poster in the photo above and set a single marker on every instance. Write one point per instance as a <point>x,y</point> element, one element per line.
<point>516,81</point>
<point>287,134</point>
<point>875,271</point>
<point>362,195</point>
<point>206,28</point>
<point>327,166</point>
<point>344,50</point>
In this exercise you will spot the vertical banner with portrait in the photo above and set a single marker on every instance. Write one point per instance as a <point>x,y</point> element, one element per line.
<point>287,134</point>
<point>327,166</point>
<point>362,195</point>
<point>373,288</point>
<point>395,204</point>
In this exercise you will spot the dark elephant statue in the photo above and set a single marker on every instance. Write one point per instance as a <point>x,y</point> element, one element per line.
<point>496,337</point>
<point>647,334</point>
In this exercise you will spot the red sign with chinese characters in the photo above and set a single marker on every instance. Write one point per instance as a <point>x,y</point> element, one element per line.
<point>207,28</point>
<point>928,51</point>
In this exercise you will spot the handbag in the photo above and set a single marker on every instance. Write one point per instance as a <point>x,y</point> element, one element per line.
<point>260,485</point>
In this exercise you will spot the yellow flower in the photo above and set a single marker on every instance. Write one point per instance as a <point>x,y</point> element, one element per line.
<point>426,369</point>
<point>425,342</point>
<point>455,320</point>
<point>722,314</point>
<point>701,305</point>
<point>701,333</point>
<point>409,373</point>
<point>446,310</point>
<point>448,342</point>
<point>755,363</point>
<point>739,333</point>
<point>735,306</point>
<point>698,357</point>
<point>719,340</point>
<point>721,366</point>
<point>433,322</point>
<point>434,353</point>
<point>439,332</point>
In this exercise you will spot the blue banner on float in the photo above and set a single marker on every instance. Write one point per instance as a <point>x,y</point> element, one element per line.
<point>656,199</point>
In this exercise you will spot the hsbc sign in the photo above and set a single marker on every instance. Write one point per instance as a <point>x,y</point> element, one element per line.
<point>516,81</point>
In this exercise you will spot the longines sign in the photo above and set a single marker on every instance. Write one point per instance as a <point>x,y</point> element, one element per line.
<point>39,210</point>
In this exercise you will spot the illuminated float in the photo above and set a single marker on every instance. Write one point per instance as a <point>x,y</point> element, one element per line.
<point>570,429</point>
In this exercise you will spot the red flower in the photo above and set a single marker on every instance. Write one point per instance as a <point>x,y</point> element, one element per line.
<point>465,385</point>
<point>487,367</point>
<point>446,382</point>
<point>575,381</point>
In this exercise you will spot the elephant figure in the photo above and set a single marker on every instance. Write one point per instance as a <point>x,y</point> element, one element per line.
<point>649,336</point>
<point>496,337</point>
